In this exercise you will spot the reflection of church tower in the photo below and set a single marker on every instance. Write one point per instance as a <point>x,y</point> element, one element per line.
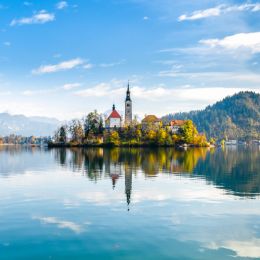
<point>128,107</point>
<point>128,184</point>
<point>114,178</point>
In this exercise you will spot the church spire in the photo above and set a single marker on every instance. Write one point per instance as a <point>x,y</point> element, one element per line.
<point>128,107</point>
<point>128,98</point>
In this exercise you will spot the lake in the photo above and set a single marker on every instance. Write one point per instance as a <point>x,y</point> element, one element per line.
<point>130,203</point>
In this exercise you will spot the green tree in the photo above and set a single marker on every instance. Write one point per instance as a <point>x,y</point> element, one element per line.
<point>62,134</point>
<point>93,122</point>
<point>189,132</point>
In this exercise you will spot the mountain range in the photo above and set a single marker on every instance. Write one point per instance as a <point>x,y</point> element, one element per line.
<point>27,126</point>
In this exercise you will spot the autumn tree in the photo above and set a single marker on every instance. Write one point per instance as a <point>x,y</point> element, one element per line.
<point>188,132</point>
<point>76,131</point>
<point>114,138</point>
<point>161,136</point>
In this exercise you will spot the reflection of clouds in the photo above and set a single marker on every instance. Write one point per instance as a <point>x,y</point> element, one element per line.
<point>178,189</point>
<point>249,248</point>
<point>68,203</point>
<point>100,198</point>
<point>142,196</point>
<point>218,228</point>
<point>61,223</point>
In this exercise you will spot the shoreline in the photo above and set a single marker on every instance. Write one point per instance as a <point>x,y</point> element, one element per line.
<point>110,145</point>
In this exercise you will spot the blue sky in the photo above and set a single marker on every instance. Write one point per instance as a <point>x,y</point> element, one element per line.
<point>66,58</point>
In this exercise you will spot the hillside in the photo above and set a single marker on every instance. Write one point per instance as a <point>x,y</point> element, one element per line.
<point>235,117</point>
<point>27,126</point>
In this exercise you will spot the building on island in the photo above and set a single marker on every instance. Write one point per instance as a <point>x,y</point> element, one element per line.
<point>114,120</point>
<point>151,122</point>
<point>128,107</point>
<point>175,125</point>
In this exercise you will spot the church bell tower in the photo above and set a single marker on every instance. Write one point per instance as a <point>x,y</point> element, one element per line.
<point>128,107</point>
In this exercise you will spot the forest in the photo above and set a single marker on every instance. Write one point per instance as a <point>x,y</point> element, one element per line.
<point>235,117</point>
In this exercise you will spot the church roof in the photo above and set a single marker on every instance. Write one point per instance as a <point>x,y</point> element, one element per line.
<point>114,114</point>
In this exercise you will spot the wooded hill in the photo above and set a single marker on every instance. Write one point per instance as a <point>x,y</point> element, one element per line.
<point>235,117</point>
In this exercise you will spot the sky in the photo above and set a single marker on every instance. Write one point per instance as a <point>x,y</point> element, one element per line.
<point>64,59</point>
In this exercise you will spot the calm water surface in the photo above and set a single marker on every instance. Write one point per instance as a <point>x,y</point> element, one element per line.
<point>129,203</point>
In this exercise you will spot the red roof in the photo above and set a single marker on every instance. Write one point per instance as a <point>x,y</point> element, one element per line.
<point>177,122</point>
<point>114,114</point>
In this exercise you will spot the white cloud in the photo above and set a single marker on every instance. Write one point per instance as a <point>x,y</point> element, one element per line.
<point>39,18</point>
<point>245,77</point>
<point>100,90</point>
<point>145,18</point>
<point>61,223</point>
<point>39,92</point>
<point>61,5</point>
<point>218,10</point>
<point>65,65</point>
<point>70,86</point>
<point>201,14</point>
<point>246,41</point>
<point>7,44</point>
<point>161,93</point>
<point>5,93</point>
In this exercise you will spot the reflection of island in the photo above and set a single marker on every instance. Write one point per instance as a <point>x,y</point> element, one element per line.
<point>234,170</point>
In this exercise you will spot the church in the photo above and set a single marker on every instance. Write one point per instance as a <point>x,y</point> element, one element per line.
<point>115,120</point>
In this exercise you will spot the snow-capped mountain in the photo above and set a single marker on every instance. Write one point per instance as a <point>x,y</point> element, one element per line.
<point>27,126</point>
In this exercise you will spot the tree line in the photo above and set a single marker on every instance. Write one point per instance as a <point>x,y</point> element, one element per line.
<point>90,131</point>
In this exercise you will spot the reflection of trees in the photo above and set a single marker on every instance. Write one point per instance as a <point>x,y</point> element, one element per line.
<point>17,149</point>
<point>171,160</point>
<point>235,170</point>
<point>17,159</point>
<point>88,161</point>
<point>151,161</point>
